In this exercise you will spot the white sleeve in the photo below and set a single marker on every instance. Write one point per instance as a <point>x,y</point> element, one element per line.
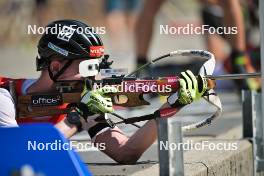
<point>7,109</point>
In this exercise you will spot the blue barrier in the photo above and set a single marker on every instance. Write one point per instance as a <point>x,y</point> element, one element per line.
<point>17,148</point>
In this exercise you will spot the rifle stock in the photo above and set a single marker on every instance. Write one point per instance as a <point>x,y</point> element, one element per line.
<point>45,106</point>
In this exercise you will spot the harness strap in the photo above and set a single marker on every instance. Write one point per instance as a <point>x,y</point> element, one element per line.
<point>55,77</point>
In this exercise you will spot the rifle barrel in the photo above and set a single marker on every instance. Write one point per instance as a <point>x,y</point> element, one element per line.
<point>233,76</point>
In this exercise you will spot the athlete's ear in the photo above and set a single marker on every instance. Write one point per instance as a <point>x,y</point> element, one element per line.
<point>55,66</point>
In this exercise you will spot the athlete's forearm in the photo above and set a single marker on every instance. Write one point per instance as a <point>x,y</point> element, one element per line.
<point>128,150</point>
<point>117,145</point>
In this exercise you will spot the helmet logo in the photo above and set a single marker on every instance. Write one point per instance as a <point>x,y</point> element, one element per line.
<point>58,49</point>
<point>66,33</point>
<point>96,51</point>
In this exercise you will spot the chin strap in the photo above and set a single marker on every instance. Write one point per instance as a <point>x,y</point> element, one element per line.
<point>60,72</point>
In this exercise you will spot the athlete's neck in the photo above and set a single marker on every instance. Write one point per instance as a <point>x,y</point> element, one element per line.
<point>43,84</point>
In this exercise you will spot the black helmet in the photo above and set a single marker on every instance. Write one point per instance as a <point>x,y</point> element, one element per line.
<point>69,40</point>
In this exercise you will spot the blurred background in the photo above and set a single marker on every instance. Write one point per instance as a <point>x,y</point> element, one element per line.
<point>19,47</point>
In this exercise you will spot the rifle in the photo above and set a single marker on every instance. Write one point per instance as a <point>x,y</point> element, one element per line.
<point>38,105</point>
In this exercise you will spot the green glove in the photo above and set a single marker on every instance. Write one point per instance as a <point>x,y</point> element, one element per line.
<point>191,88</point>
<point>97,101</point>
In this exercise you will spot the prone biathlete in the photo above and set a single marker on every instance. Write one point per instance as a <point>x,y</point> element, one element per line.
<point>59,58</point>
